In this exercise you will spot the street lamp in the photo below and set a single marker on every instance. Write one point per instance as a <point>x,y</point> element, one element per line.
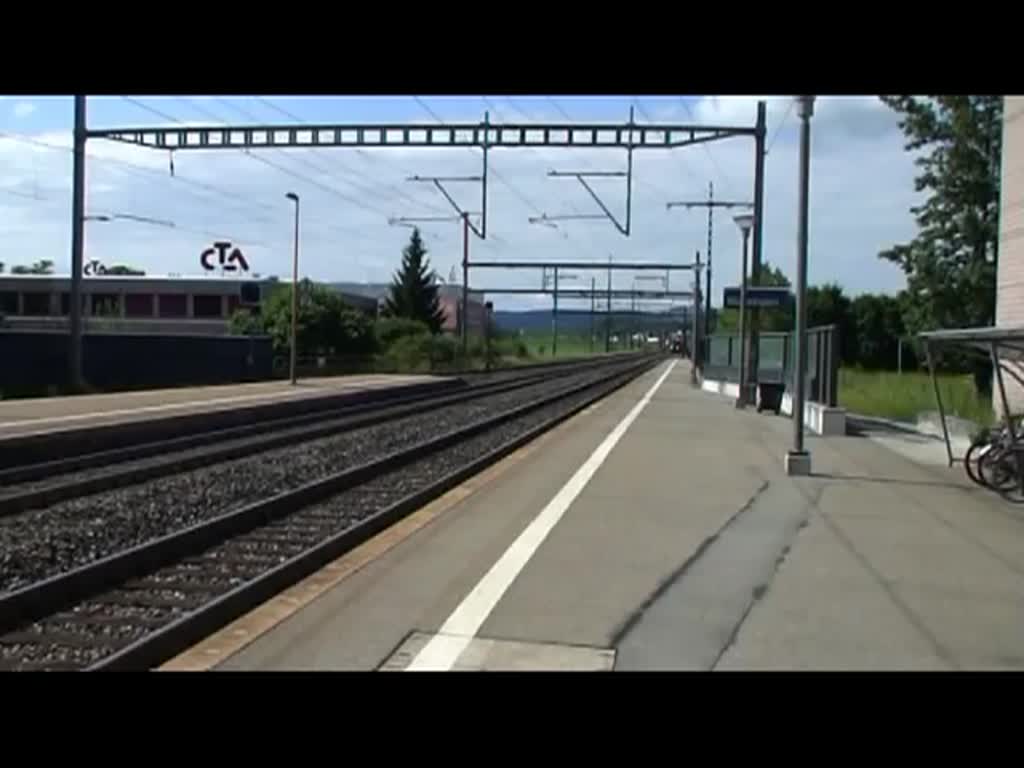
<point>295,282</point>
<point>798,460</point>
<point>744,221</point>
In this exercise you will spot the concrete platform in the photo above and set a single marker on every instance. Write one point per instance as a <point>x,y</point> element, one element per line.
<point>658,530</point>
<point>20,418</point>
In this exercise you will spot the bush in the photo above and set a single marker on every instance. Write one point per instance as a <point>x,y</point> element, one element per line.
<point>511,347</point>
<point>443,350</point>
<point>411,353</point>
<point>391,329</point>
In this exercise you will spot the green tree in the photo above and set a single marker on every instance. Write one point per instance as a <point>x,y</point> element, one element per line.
<point>828,305</point>
<point>413,291</point>
<point>326,324</point>
<point>44,267</point>
<point>877,322</point>
<point>951,264</point>
<point>123,269</point>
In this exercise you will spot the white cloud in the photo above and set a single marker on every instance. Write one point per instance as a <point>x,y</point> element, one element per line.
<point>861,190</point>
<point>24,109</point>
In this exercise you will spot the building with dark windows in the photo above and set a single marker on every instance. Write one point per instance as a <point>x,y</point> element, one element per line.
<point>179,304</point>
<point>130,303</point>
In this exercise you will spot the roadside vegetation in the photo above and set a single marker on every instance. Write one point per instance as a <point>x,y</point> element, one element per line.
<point>949,265</point>
<point>407,337</point>
<point>905,396</point>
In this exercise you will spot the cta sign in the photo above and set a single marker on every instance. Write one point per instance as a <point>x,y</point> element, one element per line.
<point>219,257</point>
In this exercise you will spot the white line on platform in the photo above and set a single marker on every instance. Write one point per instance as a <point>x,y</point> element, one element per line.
<point>455,635</point>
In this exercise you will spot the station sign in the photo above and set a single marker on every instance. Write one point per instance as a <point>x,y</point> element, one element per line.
<point>228,262</point>
<point>758,297</point>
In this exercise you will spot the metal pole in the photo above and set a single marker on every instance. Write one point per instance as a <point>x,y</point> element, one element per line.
<point>741,401</point>
<point>554,319</point>
<point>756,255</point>
<point>465,286</point>
<point>629,173</point>
<point>698,345</point>
<point>798,461</point>
<point>77,245</point>
<point>608,316</point>
<point>483,196</point>
<point>938,400</point>
<point>295,290</point>
<point>707,299</point>
<point>593,296</point>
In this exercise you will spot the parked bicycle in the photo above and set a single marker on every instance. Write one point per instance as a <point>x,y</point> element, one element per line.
<point>995,460</point>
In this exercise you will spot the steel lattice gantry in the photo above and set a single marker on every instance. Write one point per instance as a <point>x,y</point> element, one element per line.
<point>484,135</point>
<point>628,135</point>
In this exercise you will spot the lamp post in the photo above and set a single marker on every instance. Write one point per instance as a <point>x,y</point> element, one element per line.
<point>744,221</point>
<point>798,460</point>
<point>295,284</point>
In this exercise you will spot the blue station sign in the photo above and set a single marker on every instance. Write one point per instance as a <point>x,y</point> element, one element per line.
<point>760,297</point>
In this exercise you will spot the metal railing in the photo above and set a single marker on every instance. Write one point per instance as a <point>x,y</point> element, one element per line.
<point>775,361</point>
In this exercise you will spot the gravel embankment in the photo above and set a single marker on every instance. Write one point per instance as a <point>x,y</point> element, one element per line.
<point>44,542</point>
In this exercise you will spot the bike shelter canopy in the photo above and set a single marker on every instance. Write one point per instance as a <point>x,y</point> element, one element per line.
<point>1003,344</point>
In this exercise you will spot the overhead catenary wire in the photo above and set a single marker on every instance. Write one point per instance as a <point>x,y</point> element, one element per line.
<point>301,177</point>
<point>782,123</point>
<point>348,169</point>
<point>222,196</point>
<point>727,183</point>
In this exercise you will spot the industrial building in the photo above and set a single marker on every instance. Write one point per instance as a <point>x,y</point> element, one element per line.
<point>172,304</point>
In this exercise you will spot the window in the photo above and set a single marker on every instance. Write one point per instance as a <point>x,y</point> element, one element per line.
<point>173,305</point>
<point>206,306</point>
<point>36,304</point>
<point>8,303</point>
<point>138,305</point>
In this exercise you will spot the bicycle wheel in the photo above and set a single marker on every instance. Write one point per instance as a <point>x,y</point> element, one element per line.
<point>998,469</point>
<point>972,460</point>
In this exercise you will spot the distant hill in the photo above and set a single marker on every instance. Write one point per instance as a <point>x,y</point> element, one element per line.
<point>575,320</point>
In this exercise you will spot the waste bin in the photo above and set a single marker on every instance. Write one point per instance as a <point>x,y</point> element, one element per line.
<point>769,397</point>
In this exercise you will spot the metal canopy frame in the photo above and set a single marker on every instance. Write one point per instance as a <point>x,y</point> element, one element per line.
<point>1005,343</point>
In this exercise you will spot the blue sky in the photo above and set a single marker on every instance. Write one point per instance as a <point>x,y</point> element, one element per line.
<point>862,188</point>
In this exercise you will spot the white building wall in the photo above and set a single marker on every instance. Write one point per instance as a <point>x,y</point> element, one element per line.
<point>1010,270</point>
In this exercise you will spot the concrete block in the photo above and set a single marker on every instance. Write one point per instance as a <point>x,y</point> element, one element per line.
<point>798,464</point>
<point>819,419</point>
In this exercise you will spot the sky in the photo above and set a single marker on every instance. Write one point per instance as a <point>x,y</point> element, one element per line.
<point>861,190</point>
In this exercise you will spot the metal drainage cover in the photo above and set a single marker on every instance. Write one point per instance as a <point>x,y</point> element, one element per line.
<point>484,655</point>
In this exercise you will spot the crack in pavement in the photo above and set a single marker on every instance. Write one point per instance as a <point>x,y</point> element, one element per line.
<point>761,590</point>
<point>673,578</point>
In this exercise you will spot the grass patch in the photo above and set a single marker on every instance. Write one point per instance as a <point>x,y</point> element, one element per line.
<point>902,397</point>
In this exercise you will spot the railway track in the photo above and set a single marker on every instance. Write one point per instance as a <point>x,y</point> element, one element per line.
<point>38,485</point>
<point>135,607</point>
<point>22,464</point>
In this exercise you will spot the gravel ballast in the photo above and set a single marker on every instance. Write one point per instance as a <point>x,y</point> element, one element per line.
<point>45,542</point>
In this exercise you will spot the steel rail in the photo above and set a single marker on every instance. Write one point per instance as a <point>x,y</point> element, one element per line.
<point>142,449</point>
<point>237,442</point>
